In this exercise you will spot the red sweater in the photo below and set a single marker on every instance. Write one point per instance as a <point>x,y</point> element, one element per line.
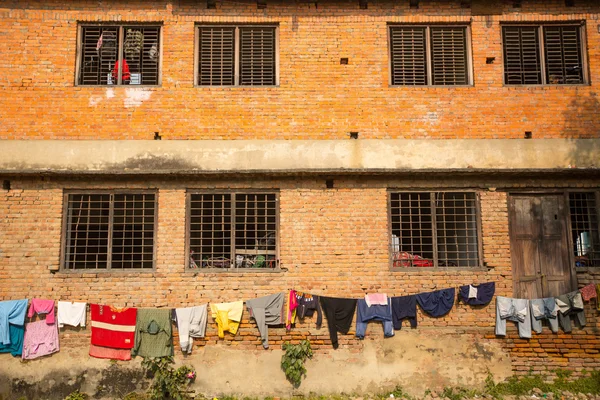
<point>112,327</point>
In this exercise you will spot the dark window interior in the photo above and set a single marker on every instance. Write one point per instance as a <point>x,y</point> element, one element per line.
<point>583,208</point>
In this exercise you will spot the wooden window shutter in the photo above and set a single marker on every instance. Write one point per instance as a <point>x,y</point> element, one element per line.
<point>449,56</point>
<point>99,53</point>
<point>408,55</point>
<point>522,64</point>
<point>216,56</point>
<point>257,56</point>
<point>562,49</point>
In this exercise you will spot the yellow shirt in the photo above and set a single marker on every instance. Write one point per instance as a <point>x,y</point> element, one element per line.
<point>227,316</point>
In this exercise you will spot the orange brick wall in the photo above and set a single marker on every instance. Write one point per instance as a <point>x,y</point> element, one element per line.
<point>317,97</point>
<point>332,242</point>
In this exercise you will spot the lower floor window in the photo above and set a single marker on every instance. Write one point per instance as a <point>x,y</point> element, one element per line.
<point>434,229</point>
<point>233,230</point>
<point>585,234</point>
<point>109,230</point>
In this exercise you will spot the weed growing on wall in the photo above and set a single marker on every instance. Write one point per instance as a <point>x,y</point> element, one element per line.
<point>292,361</point>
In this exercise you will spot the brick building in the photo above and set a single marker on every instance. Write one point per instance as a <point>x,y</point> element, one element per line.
<point>177,152</point>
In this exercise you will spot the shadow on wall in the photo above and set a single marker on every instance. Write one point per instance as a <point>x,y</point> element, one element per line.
<point>582,121</point>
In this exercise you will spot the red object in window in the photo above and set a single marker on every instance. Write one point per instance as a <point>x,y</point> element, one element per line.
<point>405,259</point>
<point>125,75</point>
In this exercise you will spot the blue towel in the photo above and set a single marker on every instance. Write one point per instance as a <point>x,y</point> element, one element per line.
<point>11,312</point>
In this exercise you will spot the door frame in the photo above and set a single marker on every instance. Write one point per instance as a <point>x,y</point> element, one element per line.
<point>570,257</point>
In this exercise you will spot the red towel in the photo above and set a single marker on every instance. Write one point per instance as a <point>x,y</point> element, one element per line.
<point>112,327</point>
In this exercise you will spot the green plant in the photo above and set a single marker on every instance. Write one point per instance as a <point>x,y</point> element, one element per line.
<point>168,382</point>
<point>292,361</point>
<point>77,395</point>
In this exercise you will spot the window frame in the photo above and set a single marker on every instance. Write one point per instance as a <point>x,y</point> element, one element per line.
<point>236,51</point>
<point>580,25</point>
<point>570,227</point>
<point>233,192</point>
<point>436,267</point>
<point>121,25</point>
<point>108,269</point>
<point>429,54</point>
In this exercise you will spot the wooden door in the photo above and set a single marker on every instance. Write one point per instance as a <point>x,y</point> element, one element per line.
<point>539,246</point>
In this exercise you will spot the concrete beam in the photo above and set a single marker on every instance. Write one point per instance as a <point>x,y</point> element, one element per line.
<point>295,156</point>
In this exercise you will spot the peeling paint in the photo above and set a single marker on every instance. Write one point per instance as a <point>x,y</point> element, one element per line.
<point>134,97</point>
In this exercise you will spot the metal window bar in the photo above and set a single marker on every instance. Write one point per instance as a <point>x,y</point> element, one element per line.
<point>522,60</point>
<point>233,230</point>
<point>585,231</point>
<point>408,55</point>
<point>257,56</point>
<point>434,229</point>
<point>563,58</point>
<point>449,55</point>
<point>106,232</point>
<point>216,59</point>
<point>115,55</point>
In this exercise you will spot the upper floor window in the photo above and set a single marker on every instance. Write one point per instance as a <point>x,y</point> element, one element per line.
<point>543,55</point>
<point>233,230</point>
<point>109,230</point>
<point>237,56</point>
<point>585,231</point>
<point>434,229</point>
<point>430,55</point>
<point>119,55</point>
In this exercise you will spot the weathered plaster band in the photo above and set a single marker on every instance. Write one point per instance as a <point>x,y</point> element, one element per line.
<point>218,156</point>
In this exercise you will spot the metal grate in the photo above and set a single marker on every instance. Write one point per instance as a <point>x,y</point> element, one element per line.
<point>522,64</point>
<point>257,56</point>
<point>562,48</point>
<point>100,63</point>
<point>561,58</point>
<point>408,55</point>
<point>216,57</point>
<point>434,229</point>
<point>244,55</point>
<point>585,232</point>
<point>126,221</point>
<point>233,230</point>
<point>449,56</point>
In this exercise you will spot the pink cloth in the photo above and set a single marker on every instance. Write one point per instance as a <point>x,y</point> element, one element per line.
<point>108,352</point>
<point>588,292</point>
<point>378,299</point>
<point>40,340</point>
<point>41,306</point>
<point>292,305</point>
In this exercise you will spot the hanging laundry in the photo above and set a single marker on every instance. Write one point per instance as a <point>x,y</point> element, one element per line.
<point>307,305</point>
<point>41,339</point>
<point>477,295</point>
<point>153,333</point>
<point>544,309</point>
<point>70,313</point>
<point>267,310</point>
<point>125,74</point>
<point>191,323</point>
<point>41,306</point>
<point>404,307</point>
<point>517,310</point>
<point>16,335</point>
<point>588,292</point>
<point>113,332</point>
<point>375,312</point>
<point>290,310</point>
<point>438,303</point>
<point>570,304</point>
<point>339,314</point>
<point>380,299</point>
<point>12,312</point>
<point>598,296</point>
<point>227,316</point>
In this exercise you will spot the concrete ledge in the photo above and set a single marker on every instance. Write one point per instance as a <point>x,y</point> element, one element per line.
<point>296,156</point>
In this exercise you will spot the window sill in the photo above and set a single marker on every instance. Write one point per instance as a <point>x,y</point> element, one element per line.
<point>233,270</point>
<point>236,86</point>
<point>118,86</point>
<point>439,269</point>
<point>431,86</point>
<point>546,85</point>
<point>66,272</point>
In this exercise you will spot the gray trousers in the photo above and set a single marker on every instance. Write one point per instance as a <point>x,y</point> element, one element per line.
<point>516,310</point>
<point>544,309</point>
